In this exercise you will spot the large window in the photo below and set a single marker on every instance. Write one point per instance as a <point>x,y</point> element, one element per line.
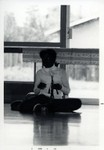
<point>28,22</point>
<point>84,24</point>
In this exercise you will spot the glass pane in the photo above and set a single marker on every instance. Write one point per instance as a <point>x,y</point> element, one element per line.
<point>17,70</point>
<point>84,24</point>
<point>28,22</point>
<point>83,80</point>
<point>83,10</point>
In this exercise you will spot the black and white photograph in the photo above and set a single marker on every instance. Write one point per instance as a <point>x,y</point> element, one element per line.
<point>51,79</point>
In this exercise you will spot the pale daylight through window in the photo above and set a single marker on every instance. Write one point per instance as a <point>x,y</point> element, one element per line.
<point>28,22</point>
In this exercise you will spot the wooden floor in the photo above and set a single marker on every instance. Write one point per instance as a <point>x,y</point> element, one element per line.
<point>48,130</point>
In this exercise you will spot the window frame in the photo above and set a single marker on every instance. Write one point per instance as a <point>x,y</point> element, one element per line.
<point>63,21</point>
<point>16,47</point>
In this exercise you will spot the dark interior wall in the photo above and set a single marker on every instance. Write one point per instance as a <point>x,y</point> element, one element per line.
<point>16,90</point>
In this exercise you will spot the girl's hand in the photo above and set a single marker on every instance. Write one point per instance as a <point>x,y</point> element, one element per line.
<point>57,86</point>
<point>41,85</point>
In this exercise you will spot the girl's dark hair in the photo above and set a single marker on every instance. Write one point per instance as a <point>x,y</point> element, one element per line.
<point>48,52</point>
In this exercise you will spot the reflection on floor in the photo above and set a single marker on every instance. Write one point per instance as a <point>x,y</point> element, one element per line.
<point>52,129</point>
